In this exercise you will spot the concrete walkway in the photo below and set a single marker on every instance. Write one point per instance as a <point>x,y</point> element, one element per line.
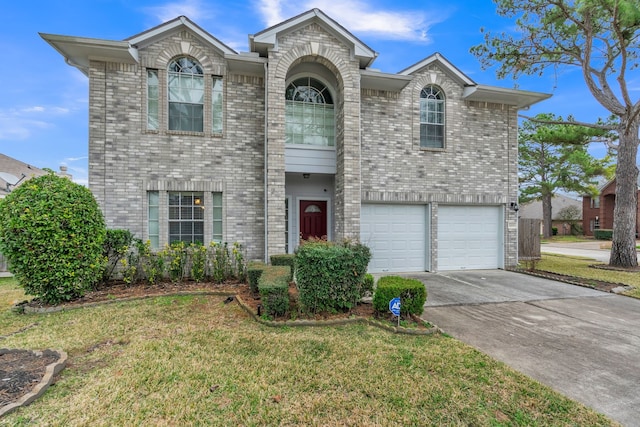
<point>583,343</point>
<point>594,249</point>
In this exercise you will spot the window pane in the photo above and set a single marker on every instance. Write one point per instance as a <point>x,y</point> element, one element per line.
<point>152,100</point>
<point>154,228</point>
<point>186,95</point>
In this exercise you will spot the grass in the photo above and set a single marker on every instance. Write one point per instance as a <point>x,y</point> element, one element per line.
<point>192,360</point>
<point>577,266</point>
<point>567,238</point>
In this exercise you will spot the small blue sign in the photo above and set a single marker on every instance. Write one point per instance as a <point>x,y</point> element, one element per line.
<point>394,306</point>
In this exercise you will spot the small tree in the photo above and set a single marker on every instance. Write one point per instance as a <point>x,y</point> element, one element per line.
<point>571,214</point>
<point>52,233</point>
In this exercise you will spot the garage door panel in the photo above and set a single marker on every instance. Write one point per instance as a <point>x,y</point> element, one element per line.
<point>469,237</point>
<point>396,235</point>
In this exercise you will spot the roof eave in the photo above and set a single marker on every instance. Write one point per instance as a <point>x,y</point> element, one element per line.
<point>79,51</point>
<point>519,98</point>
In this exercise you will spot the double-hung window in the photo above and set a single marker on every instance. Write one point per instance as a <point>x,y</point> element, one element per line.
<point>186,95</point>
<point>432,117</point>
<point>186,217</point>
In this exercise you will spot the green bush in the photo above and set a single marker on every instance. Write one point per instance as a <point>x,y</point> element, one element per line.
<point>254,271</point>
<point>554,231</point>
<point>329,275</point>
<point>412,293</point>
<point>52,233</point>
<point>284,259</point>
<point>273,286</point>
<point>603,234</point>
<point>115,246</point>
<point>366,289</point>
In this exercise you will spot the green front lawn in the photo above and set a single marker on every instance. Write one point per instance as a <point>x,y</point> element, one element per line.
<point>576,266</point>
<point>192,360</point>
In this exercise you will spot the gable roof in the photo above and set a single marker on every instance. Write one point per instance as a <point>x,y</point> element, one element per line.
<point>268,38</point>
<point>79,51</point>
<point>475,92</point>
<point>20,170</point>
<point>159,32</point>
<point>533,209</point>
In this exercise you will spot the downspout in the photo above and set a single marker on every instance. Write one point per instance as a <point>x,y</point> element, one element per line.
<point>266,165</point>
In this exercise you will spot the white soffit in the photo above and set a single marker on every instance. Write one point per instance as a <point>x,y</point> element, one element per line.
<point>78,51</point>
<point>520,98</point>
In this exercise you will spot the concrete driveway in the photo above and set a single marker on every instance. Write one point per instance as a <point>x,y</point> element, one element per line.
<point>583,343</point>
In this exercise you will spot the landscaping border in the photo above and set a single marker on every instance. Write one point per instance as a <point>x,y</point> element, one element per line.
<point>47,379</point>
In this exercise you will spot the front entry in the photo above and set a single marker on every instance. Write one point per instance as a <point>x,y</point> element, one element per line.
<point>313,219</point>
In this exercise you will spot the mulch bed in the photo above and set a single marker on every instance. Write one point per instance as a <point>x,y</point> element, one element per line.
<point>21,371</point>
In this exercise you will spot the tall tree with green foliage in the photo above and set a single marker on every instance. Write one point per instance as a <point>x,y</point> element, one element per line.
<point>601,38</point>
<point>554,158</point>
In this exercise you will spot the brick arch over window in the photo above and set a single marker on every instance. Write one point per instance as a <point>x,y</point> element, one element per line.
<point>185,49</point>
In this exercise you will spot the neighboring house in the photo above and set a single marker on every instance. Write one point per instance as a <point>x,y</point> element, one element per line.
<point>15,169</point>
<point>597,212</point>
<point>190,140</point>
<point>533,210</point>
<point>16,172</point>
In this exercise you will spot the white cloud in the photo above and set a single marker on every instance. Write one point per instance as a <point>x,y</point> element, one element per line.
<point>196,10</point>
<point>271,11</point>
<point>359,17</point>
<point>15,127</point>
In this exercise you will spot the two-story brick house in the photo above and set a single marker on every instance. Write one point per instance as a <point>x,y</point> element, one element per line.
<point>190,140</point>
<point>597,211</point>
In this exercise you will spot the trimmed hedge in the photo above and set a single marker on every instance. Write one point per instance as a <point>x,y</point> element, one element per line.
<point>603,234</point>
<point>52,234</point>
<point>329,275</point>
<point>412,293</point>
<point>284,259</point>
<point>254,271</point>
<point>273,286</point>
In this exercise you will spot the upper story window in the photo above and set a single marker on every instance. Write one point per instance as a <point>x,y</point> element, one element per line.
<point>186,95</point>
<point>595,202</point>
<point>309,115</point>
<point>432,117</point>
<point>153,100</point>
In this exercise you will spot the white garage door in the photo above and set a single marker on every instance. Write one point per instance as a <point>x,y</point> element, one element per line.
<point>396,235</point>
<point>469,237</point>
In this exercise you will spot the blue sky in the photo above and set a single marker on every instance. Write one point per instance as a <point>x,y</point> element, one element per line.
<point>44,102</point>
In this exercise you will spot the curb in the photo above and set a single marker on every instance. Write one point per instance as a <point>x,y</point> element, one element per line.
<point>542,273</point>
<point>50,372</point>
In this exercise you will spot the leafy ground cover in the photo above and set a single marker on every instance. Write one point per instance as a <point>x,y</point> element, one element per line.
<point>194,360</point>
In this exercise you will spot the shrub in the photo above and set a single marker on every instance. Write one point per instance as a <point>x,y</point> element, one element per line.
<point>554,231</point>
<point>254,271</point>
<point>273,286</point>
<point>52,233</point>
<point>115,246</point>
<point>366,289</point>
<point>198,256</point>
<point>284,259</point>
<point>329,275</point>
<point>603,234</point>
<point>412,293</point>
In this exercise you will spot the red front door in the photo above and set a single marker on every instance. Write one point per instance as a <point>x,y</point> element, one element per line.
<point>313,219</point>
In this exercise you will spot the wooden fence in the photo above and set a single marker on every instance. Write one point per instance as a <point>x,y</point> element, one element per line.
<point>528,239</point>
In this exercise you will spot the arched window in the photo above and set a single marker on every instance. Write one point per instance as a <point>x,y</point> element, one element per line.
<point>310,117</point>
<point>432,117</point>
<point>186,95</point>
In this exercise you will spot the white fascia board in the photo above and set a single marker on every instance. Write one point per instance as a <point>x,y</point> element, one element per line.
<point>158,32</point>
<point>451,69</point>
<point>78,51</point>
<point>520,98</point>
<point>383,81</point>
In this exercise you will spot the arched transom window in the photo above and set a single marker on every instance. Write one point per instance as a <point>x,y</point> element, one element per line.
<point>432,117</point>
<point>310,117</point>
<point>186,95</point>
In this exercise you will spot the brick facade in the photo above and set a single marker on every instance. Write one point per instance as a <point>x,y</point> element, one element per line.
<point>377,135</point>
